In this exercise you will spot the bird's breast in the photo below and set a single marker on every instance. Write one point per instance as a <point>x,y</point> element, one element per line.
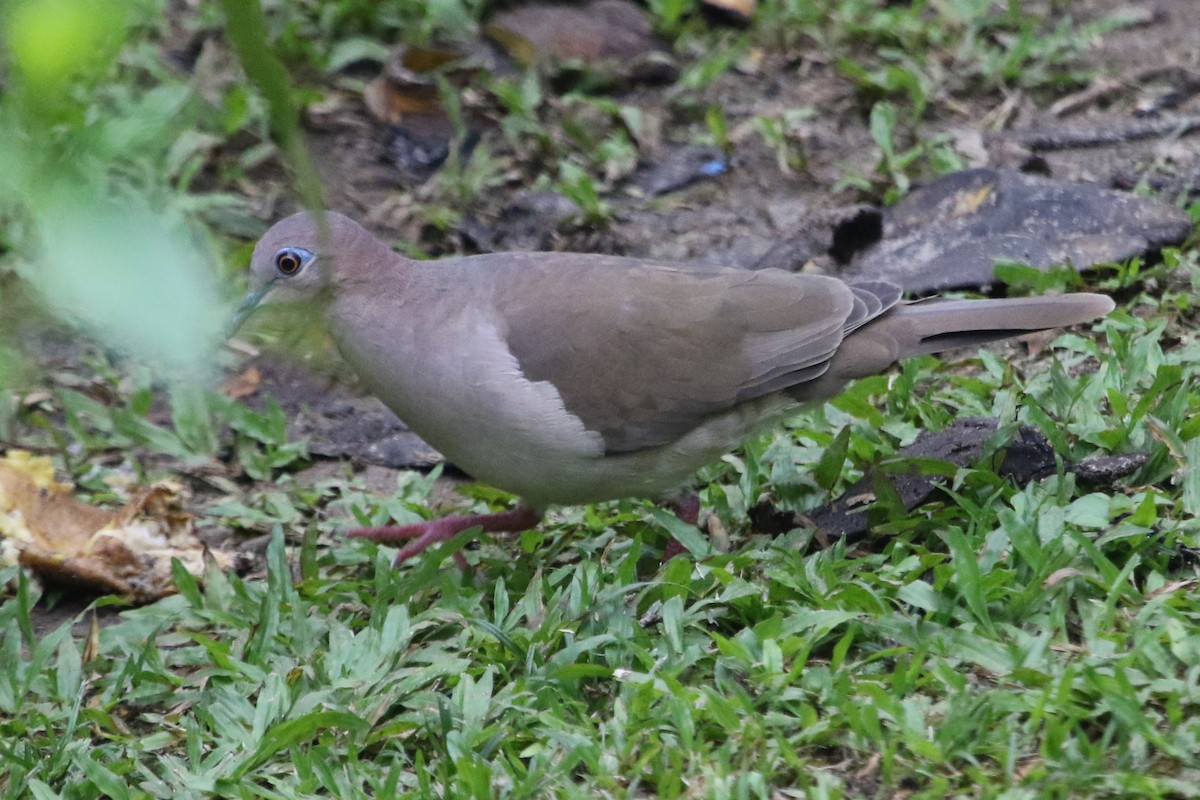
<point>456,384</point>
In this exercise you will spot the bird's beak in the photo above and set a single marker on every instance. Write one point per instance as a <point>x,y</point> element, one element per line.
<point>249,303</point>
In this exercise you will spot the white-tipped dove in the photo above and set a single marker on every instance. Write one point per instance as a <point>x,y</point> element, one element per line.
<point>572,378</point>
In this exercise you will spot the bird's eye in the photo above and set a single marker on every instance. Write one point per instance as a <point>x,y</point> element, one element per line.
<point>289,260</point>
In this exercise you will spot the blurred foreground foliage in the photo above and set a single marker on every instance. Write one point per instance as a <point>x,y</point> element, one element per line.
<point>110,187</point>
<point>94,134</point>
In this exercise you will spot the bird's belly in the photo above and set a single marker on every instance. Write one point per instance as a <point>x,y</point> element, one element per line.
<point>524,463</point>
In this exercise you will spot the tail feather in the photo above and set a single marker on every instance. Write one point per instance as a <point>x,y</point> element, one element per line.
<point>937,325</point>
<point>931,326</point>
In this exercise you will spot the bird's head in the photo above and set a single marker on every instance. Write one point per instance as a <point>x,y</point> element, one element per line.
<point>295,260</point>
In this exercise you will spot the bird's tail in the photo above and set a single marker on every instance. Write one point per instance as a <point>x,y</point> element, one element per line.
<point>932,326</point>
<point>937,325</point>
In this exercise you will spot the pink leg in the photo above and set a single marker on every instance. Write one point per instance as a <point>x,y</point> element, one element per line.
<point>432,531</point>
<point>687,509</point>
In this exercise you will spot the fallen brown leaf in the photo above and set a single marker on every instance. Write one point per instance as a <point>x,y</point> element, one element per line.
<point>128,552</point>
<point>408,85</point>
<point>1060,575</point>
<point>391,101</point>
<point>1172,587</point>
<point>244,384</point>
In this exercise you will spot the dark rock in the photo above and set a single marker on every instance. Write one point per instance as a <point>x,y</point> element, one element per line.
<point>951,233</point>
<point>1107,470</point>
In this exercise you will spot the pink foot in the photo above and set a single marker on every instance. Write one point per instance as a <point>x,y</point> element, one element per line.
<point>430,532</point>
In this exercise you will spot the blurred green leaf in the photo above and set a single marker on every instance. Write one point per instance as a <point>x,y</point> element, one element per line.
<point>247,33</point>
<point>54,42</point>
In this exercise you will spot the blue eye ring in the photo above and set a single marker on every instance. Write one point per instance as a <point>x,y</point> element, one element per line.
<point>291,260</point>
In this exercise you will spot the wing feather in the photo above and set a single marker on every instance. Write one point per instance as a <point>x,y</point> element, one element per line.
<point>643,353</point>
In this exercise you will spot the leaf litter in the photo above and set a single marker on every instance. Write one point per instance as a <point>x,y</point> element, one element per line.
<point>73,544</point>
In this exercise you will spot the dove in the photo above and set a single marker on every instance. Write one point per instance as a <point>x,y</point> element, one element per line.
<point>569,378</point>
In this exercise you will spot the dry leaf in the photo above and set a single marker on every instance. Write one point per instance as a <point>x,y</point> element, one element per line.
<point>1060,575</point>
<point>244,384</point>
<point>69,542</point>
<point>1172,587</point>
<point>391,101</point>
<point>407,85</point>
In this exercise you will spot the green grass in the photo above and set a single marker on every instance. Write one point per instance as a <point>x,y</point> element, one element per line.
<point>999,641</point>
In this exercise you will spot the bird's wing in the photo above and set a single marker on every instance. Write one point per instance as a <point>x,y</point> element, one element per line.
<point>642,353</point>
